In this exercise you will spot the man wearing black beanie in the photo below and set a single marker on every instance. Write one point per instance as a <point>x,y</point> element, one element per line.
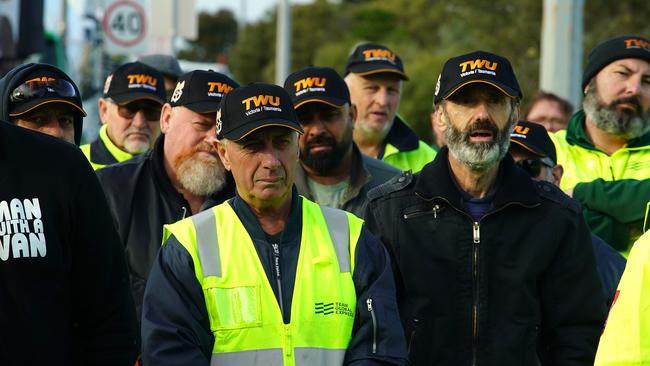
<point>605,150</point>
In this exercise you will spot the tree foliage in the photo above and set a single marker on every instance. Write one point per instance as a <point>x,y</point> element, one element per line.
<point>424,33</point>
<point>217,35</point>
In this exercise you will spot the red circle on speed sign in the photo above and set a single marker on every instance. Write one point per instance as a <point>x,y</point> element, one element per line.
<point>124,23</point>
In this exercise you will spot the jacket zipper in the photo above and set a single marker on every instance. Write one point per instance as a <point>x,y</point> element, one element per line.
<point>374,325</point>
<point>278,274</point>
<point>476,235</point>
<point>435,210</point>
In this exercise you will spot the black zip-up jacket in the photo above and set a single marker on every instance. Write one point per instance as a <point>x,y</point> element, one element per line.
<point>64,293</point>
<point>14,78</point>
<point>142,199</point>
<point>519,284</point>
<point>175,323</point>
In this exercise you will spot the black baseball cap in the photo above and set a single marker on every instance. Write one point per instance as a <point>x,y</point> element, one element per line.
<point>317,84</point>
<point>254,106</point>
<point>374,58</point>
<point>625,46</point>
<point>477,67</point>
<point>44,84</point>
<point>133,81</point>
<point>167,64</point>
<point>534,138</point>
<point>201,91</point>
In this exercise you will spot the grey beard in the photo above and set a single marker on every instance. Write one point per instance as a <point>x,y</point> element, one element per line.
<point>479,156</point>
<point>201,177</point>
<point>613,121</point>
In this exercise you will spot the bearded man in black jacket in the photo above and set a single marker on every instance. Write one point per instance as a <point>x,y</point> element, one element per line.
<point>492,267</point>
<point>174,179</point>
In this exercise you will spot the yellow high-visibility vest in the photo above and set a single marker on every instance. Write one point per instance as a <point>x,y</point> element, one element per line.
<point>245,317</point>
<point>626,339</point>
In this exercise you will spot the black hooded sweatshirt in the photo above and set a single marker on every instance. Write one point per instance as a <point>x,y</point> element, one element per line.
<point>16,76</point>
<point>64,290</point>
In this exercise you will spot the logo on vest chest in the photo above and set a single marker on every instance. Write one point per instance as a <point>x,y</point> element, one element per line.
<point>333,308</point>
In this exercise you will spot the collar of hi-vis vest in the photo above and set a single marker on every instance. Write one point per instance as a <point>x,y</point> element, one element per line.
<point>117,153</point>
<point>577,135</point>
<point>400,136</point>
<point>292,229</point>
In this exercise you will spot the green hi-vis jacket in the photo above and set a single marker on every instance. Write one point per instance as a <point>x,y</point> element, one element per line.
<point>244,315</point>
<point>103,151</point>
<point>626,339</point>
<point>613,189</point>
<point>404,150</point>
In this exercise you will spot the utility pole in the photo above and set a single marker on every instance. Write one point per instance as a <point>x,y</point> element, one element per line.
<point>283,42</point>
<point>561,49</point>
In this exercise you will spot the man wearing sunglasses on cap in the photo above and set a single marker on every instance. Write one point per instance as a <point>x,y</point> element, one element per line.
<point>130,112</point>
<point>534,152</point>
<point>43,98</point>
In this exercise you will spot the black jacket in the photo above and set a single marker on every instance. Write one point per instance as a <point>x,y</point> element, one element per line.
<point>142,199</point>
<point>175,323</point>
<point>523,276</point>
<point>13,78</point>
<point>64,294</point>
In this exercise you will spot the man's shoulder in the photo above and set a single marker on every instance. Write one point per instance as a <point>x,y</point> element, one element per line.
<point>379,168</point>
<point>398,186</point>
<point>126,170</point>
<point>551,194</point>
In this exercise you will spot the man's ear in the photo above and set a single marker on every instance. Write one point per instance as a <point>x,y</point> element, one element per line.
<point>102,107</point>
<point>165,118</point>
<point>558,172</point>
<point>353,113</point>
<point>223,153</point>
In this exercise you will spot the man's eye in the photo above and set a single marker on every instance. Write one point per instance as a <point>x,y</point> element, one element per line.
<point>39,120</point>
<point>66,121</point>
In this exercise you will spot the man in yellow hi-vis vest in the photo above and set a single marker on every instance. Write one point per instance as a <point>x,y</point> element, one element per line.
<point>269,277</point>
<point>626,339</point>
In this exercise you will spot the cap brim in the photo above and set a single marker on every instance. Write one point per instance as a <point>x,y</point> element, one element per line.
<point>528,148</point>
<point>331,101</point>
<point>27,107</point>
<point>245,130</point>
<point>202,107</point>
<point>127,98</point>
<point>370,69</point>
<point>503,88</point>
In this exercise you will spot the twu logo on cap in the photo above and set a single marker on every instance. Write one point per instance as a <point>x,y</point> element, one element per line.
<point>142,79</point>
<point>41,79</point>
<point>261,100</point>
<point>637,43</point>
<point>309,83</point>
<point>478,64</point>
<point>219,87</point>
<point>521,130</point>
<point>378,53</point>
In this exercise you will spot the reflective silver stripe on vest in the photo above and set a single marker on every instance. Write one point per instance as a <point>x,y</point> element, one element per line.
<point>206,242</point>
<point>261,357</point>
<point>319,356</point>
<point>339,229</point>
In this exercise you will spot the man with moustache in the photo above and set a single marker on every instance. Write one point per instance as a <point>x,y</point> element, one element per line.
<point>130,112</point>
<point>605,150</point>
<point>333,171</point>
<point>492,267</point>
<point>174,179</point>
<point>374,75</point>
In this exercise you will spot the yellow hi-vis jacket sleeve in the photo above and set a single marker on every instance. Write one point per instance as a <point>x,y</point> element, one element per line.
<point>626,339</point>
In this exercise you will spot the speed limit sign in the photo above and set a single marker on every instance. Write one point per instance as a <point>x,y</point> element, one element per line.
<point>125,26</point>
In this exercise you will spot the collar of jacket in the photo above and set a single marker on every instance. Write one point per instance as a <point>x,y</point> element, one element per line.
<point>359,176</point>
<point>401,136</point>
<point>576,134</point>
<point>115,151</point>
<point>292,229</point>
<point>435,181</point>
